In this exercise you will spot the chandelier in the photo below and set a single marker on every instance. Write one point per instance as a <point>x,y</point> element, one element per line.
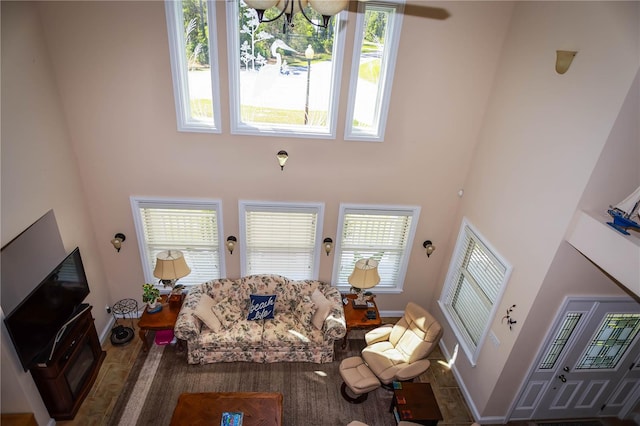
<point>288,8</point>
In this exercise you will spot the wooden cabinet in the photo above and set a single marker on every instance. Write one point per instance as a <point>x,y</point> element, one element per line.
<point>65,380</point>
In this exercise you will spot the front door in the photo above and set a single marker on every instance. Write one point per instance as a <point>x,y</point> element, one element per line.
<point>592,350</point>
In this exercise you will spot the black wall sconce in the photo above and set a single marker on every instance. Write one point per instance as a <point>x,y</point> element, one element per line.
<point>117,241</point>
<point>510,321</point>
<point>231,243</point>
<point>328,245</point>
<point>282,158</point>
<point>429,247</point>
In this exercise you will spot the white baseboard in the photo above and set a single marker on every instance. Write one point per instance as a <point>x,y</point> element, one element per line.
<point>465,393</point>
<point>106,331</point>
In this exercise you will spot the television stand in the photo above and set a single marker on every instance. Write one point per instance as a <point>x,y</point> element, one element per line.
<point>65,379</point>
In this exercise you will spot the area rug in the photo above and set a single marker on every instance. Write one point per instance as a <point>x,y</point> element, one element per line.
<point>311,391</point>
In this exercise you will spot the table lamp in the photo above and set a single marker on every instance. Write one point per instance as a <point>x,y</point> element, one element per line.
<point>170,267</point>
<point>365,275</point>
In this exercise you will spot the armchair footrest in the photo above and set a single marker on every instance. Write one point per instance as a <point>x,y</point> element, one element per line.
<point>358,378</point>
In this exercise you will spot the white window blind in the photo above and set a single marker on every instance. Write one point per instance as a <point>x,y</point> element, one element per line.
<point>281,239</point>
<point>475,281</point>
<point>191,227</point>
<point>383,234</point>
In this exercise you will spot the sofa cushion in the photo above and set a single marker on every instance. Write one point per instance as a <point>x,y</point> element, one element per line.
<point>304,310</point>
<point>204,311</point>
<point>323,311</point>
<point>244,334</point>
<point>227,312</point>
<point>261,306</point>
<point>286,331</point>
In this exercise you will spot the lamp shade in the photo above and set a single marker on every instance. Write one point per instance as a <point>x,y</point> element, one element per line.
<point>170,265</point>
<point>365,274</point>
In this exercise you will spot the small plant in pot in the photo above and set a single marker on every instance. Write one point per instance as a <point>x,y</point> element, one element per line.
<point>150,295</point>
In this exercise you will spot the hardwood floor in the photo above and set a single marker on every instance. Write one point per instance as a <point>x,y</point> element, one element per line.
<point>97,407</point>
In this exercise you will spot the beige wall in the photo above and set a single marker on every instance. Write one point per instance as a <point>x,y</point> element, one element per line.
<point>116,89</point>
<point>542,136</point>
<point>39,172</point>
<point>106,99</point>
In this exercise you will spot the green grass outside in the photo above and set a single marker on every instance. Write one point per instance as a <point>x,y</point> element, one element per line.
<point>202,108</point>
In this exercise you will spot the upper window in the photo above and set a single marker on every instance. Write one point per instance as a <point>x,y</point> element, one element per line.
<point>284,80</point>
<point>194,67</point>
<point>280,238</point>
<point>374,56</point>
<point>384,233</point>
<point>475,281</point>
<point>191,226</point>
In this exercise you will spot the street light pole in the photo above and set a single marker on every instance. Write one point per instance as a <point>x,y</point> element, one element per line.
<point>309,55</point>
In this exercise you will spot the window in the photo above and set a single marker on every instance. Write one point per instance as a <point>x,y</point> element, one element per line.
<point>194,67</point>
<point>377,38</point>
<point>191,226</point>
<point>274,88</point>
<point>280,238</point>
<point>384,233</point>
<point>475,281</point>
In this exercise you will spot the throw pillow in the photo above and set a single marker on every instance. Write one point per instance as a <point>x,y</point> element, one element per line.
<point>205,312</point>
<point>261,306</point>
<point>304,310</point>
<point>227,312</point>
<point>324,308</point>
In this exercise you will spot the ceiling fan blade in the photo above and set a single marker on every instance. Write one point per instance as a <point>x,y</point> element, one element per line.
<point>424,11</point>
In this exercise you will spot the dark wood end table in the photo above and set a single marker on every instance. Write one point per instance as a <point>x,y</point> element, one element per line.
<point>164,319</point>
<point>415,402</point>
<point>357,318</point>
<point>258,408</point>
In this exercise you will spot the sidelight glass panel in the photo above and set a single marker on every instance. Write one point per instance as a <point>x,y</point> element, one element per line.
<point>560,341</point>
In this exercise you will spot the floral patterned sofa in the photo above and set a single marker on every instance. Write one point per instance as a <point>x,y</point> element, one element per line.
<point>307,319</point>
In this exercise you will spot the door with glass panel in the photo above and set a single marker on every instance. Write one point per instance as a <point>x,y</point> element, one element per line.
<point>592,349</point>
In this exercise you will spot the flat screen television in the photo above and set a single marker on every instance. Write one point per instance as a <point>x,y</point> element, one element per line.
<point>34,323</point>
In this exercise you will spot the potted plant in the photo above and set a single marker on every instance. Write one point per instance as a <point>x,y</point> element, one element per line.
<point>150,295</point>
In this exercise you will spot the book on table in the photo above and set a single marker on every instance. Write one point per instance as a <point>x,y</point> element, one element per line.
<point>231,419</point>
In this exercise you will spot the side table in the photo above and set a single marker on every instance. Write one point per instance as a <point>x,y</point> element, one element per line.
<point>415,402</point>
<point>357,318</point>
<point>125,309</point>
<point>164,319</point>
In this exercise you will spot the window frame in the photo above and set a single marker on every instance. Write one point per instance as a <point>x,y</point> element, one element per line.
<point>369,209</point>
<point>387,70</point>
<point>179,203</point>
<point>179,69</point>
<point>450,286</point>
<point>286,207</point>
<point>294,131</point>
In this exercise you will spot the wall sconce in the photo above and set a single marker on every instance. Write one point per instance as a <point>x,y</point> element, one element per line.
<point>117,241</point>
<point>563,60</point>
<point>231,243</point>
<point>429,247</point>
<point>282,158</point>
<point>328,245</point>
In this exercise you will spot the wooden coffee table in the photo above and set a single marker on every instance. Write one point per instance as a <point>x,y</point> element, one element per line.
<point>415,402</point>
<point>258,408</point>
<point>161,320</point>
<point>357,318</point>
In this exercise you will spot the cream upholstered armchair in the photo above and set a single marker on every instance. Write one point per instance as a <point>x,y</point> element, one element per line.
<point>398,352</point>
